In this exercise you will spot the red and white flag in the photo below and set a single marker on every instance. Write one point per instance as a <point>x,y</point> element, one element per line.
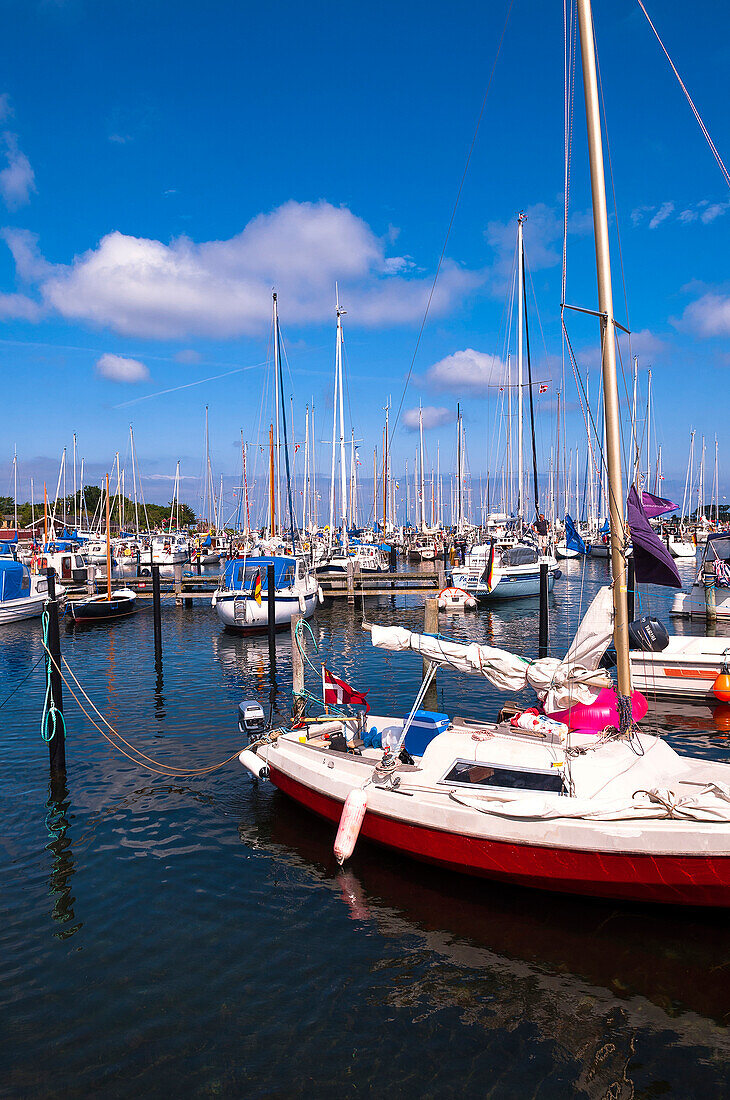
<point>543,387</point>
<point>339,693</point>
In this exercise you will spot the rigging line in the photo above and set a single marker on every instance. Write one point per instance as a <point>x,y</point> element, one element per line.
<point>695,112</point>
<point>453,214</point>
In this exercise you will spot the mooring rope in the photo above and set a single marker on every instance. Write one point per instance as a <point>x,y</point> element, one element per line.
<point>50,712</point>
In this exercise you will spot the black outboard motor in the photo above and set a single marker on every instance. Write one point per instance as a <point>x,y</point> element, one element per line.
<point>648,635</point>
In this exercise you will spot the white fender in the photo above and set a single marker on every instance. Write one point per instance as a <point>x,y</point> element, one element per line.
<point>302,603</point>
<point>253,763</point>
<point>320,593</point>
<point>351,820</point>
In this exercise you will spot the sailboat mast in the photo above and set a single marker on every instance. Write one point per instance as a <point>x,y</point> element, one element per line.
<point>277,373</point>
<point>423,490</point>
<point>385,471</point>
<point>76,509</point>
<point>108,547</point>
<point>458,470</point>
<point>608,347</point>
<point>272,496</point>
<point>520,322</point>
<point>305,493</point>
<point>343,466</point>
<point>15,491</point>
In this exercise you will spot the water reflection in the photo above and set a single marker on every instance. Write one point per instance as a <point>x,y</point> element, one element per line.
<point>62,865</point>
<point>677,960</point>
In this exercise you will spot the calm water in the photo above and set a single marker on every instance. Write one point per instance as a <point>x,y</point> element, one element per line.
<point>163,937</point>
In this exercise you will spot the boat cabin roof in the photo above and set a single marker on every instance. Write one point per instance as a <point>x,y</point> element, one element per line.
<point>240,573</point>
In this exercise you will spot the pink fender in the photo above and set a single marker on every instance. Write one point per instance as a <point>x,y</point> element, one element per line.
<point>602,712</point>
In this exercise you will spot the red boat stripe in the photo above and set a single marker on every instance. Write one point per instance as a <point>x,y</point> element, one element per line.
<point>675,880</point>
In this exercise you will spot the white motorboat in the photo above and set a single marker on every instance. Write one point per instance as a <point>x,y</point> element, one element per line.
<point>456,599</point>
<point>241,601</point>
<point>366,559</point>
<point>516,573</point>
<point>680,547</point>
<point>170,549</point>
<point>688,667</point>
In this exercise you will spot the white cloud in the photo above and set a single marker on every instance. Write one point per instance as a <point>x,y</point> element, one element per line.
<point>6,107</point>
<point>709,316</point>
<point>145,288</point>
<point>433,417</point>
<point>17,179</point>
<point>29,263</point>
<point>19,307</point>
<point>119,369</point>
<point>662,214</point>
<point>467,370</point>
<point>187,356</point>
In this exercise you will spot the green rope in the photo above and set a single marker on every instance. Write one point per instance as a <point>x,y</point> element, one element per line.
<point>51,713</point>
<point>302,653</point>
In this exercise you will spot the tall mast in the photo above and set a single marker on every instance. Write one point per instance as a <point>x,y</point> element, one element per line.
<point>134,478</point>
<point>343,467</point>
<point>385,470</point>
<point>334,436</point>
<point>458,468</point>
<point>608,347</point>
<point>408,497</point>
<point>277,372</point>
<point>76,509</point>
<point>423,490</point>
<point>15,490</point>
<point>305,493</point>
<point>648,431</point>
<point>438,483</point>
<point>520,321</point>
<point>272,495</point>
<point>108,547</point>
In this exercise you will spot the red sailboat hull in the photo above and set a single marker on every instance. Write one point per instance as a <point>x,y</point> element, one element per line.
<point>669,880</point>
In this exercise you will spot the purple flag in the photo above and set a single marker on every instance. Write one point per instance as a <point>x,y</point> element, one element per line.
<point>657,506</point>
<point>652,561</point>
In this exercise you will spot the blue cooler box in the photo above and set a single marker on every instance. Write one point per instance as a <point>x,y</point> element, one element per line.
<point>425,726</point>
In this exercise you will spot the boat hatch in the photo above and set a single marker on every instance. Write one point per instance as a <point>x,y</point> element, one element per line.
<point>467,773</point>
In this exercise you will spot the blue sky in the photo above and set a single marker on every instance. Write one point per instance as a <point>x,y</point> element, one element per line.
<point>164,165</point>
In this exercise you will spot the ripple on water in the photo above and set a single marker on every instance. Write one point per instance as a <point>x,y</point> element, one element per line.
<point>195,936</point>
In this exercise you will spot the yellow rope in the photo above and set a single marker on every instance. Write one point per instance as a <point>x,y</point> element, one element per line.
<point>146,761</point>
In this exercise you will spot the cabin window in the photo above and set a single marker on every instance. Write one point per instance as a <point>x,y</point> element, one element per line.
<point>25,582</point>
<point>467,773</point>
<point>300,569</point>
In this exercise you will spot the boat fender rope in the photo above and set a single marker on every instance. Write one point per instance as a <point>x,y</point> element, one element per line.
<point>51,715</point>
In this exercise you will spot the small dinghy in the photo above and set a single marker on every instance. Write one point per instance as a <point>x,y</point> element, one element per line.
<point>96,608</point>
<point>105,605</point>
<point>456,599</point>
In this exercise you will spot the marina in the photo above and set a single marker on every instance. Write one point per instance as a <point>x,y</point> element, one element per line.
<point>365,686</point>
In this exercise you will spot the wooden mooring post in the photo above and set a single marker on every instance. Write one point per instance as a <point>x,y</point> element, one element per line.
<point>57,744</point>
<point>157,618</point>
<point>297,670</point>
<point>430,626</point>
<point>350,581</point>
<point>710,595</point>
<point>178,571</point>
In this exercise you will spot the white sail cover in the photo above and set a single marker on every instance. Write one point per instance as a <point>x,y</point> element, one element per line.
<point>559,684</point>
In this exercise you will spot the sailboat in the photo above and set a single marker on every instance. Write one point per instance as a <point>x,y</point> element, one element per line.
<point>103,605</point>
<point>619,815</point>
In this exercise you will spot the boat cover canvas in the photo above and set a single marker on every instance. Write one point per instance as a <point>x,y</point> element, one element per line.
<point>12,577</point>
<point>559,684</point>
<point>240,573</point>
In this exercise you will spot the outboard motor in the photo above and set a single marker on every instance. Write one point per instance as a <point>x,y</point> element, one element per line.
<point>648,635</point>
<point>251,720</point>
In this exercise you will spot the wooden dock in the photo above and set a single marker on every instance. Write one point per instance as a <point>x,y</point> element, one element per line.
<point>185,589</point>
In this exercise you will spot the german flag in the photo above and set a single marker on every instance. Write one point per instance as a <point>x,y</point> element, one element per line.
<point>488,574</point>
<point>256,589</point>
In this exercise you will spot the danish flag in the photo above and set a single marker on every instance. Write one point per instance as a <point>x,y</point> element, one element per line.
<point>338,693</point>
<point>543,388</point>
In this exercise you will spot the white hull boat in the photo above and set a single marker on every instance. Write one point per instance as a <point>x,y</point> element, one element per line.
<point>236,603</point>
<point>687,668</point>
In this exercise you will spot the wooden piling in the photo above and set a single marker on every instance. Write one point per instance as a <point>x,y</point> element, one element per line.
<point>178,571</point>
<point>710,598</point>
<point>350,581</point>
<point>57,744</point>
<point>297,670</point>
<point>90,574</point>
<point>441,567</point>
<point>542,644</point>
<point>157,619</point>
<point>430,626</point>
